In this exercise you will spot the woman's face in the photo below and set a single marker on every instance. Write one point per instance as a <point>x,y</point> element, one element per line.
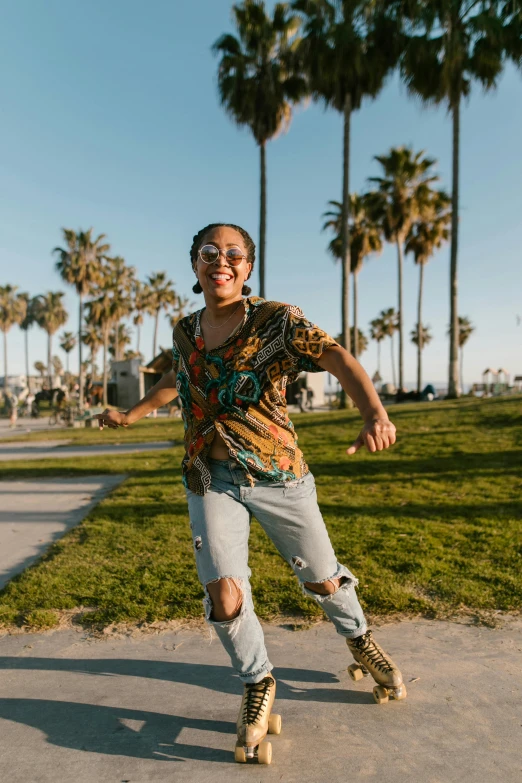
<point>221,280</point>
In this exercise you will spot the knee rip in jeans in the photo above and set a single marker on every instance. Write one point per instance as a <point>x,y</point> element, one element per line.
<point>235,588</point>
<point>324,592</point>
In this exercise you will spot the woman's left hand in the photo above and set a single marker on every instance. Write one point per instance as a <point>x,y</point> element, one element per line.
<point>377,434</point>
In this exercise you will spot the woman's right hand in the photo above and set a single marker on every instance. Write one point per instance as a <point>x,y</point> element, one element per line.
<point>112,419</point>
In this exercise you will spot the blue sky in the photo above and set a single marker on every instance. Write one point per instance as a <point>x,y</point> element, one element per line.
<point>111,119</point>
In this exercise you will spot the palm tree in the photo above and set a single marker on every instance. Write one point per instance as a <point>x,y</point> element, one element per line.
<point>365,239</point>
<point>120,278</point>
<point>13,308</point>
<point>466,329</point>
<point>182,308</point>
<point>103,311</point>
<point>41,368</point>
<point>390,324</point>
<point>57,365</point>
<point>258,83</point>
<point>420,336</point>
<point>425,335</point>
<point>451,44</point>
<point>378,334</point>
<point>140,293</point>
<point>347,50</point>
<point>426,236</point>
<point>130,354</point>
<point>27,322</point>
<point>79,264</point>
<point>358,338</point>
<point>50,315</point>
<point>122,338</point>
<point>161,296</point>
<point>93,339</point>
<point>67,344</point>
<point>401,196</point>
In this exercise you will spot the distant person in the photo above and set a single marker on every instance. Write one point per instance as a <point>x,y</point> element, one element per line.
<point>310,399</point>
<point>232,361</point>
<point>12,408</point>
<point>301,399</point>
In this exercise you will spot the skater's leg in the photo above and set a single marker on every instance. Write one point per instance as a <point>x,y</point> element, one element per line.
<point>291,517</point>
<point>220,525</point>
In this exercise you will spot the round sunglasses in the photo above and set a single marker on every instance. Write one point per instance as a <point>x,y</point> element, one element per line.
<point>209,254</point>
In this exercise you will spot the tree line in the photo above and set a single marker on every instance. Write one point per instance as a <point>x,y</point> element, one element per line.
<point>108,292</point>
<point>340,52</point>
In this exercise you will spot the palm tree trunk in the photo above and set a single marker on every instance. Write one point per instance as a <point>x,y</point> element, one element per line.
<point>93,364</point>
<point>138,339</point>
<point>394,378</point>
<point>26,346</point>
<point>262,222</point>
<point>49,364</point>
<point>67,361</point>
<point>6,381</point>
<point>105,352</point>
<point>379,356</point>
<point>155,334</point>
<point>453,379</point>
<point>462,369</point>
<point>80,374</point>
<point>355,318</point>
<point>400,260</point>
<point>419,329</point>
<point>117,341</point>
<point>345,237</point>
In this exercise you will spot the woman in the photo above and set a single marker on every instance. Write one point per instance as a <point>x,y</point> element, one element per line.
<point>231,363</point>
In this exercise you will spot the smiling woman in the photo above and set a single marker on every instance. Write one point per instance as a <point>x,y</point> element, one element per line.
<point>232,361</point>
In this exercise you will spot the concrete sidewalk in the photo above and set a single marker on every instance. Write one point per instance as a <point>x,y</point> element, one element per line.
<point>33,514</point>
<point>163,708</point>
<point>51,449</point>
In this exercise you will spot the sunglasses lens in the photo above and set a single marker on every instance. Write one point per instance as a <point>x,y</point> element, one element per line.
<point>234,255</point>
<point>209,254</point>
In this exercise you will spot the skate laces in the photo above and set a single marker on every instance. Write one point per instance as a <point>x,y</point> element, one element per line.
<point>370,649</point>
<point>256,699</point>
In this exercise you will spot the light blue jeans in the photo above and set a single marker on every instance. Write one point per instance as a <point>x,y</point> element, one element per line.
<point>290,516</point>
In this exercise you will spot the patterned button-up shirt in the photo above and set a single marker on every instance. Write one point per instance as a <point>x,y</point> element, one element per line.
<point>239,389</point>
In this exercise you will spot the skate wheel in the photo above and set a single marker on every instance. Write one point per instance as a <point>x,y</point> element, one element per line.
<point>264,753</point>
<point>380,694</point>
<point>399,693</point>
<point>274,724</point>
<point>356,672</point>
<point>239,754</point>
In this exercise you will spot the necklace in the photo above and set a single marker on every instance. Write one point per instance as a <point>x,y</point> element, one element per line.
<point>224,322</point>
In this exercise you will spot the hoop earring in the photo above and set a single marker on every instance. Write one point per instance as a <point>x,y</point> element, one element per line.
<point>197,288</point>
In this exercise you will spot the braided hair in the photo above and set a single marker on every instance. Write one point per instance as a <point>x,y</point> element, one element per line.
<point>249,245</point>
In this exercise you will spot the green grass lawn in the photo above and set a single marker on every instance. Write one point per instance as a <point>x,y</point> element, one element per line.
<point>432,526</point>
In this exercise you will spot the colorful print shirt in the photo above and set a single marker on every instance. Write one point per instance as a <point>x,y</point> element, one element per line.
<point>239,390</point>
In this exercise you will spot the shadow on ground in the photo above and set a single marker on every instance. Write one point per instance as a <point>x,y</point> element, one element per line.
<point>144,734</point>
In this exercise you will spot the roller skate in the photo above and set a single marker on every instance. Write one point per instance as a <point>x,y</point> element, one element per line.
<point>371,659</point>
<point>255,721</point>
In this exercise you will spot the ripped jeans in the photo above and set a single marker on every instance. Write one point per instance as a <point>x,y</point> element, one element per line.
<point>289,514</point>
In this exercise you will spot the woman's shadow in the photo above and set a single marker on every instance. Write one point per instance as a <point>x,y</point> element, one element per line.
<point>141,733</point>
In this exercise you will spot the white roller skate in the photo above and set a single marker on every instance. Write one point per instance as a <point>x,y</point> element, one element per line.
<point>371,659</point>
<point>255,721</point>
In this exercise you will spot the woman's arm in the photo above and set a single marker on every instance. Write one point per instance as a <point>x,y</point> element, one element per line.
<point>378,432</point>
<point>163,392</point>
